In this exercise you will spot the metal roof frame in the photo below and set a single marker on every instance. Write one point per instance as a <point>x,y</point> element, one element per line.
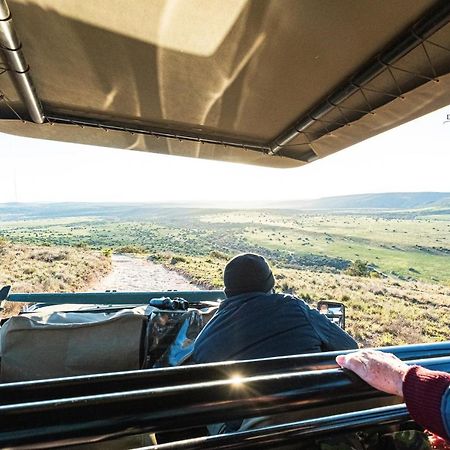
<point>436,18</point>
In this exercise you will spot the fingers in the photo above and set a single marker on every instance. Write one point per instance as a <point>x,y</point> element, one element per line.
<point>383,371</point>
<point>356,362</point>
<point>363,357</point>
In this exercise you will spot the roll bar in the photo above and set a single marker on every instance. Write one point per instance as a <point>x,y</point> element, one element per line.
<point>108,298</point>
<point>80,419</point>
<point>294,432</point>
<point>85,385</point>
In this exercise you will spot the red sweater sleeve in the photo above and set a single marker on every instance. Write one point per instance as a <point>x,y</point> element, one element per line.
<point>423,390</point>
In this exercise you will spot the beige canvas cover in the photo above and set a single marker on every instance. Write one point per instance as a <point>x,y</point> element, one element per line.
<point>53,344</point>
<point>227,80</point>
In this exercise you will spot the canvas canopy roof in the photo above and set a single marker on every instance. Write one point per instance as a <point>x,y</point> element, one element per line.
<point>269,82</point>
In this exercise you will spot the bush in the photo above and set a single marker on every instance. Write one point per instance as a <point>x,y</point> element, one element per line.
<point>107,252</point>
<point>50,255</point>
<point>286,288</point>
<point>358,268</point>
<point>82,245</point>
<point>157,257</point>
<point>131,249</point>
<point>3,245</point>
<point>219,255</point>
<point>177,259</point>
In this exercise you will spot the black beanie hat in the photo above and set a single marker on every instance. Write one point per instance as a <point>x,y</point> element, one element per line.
<point>247,273</point>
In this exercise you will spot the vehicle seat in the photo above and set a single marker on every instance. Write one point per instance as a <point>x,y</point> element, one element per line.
<point>50,344</point>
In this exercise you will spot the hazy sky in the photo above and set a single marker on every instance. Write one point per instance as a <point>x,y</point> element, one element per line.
<point>413,157</point>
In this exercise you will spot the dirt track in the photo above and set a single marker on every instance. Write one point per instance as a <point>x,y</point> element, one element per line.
<point>135,274</point>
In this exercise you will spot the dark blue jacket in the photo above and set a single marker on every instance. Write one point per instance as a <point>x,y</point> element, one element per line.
<point>258,325</point>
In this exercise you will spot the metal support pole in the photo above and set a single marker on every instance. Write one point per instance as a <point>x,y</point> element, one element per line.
<point>17,65</point>
<point>157,132</point>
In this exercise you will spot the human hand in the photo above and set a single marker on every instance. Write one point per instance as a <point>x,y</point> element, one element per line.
<point>383,371</point>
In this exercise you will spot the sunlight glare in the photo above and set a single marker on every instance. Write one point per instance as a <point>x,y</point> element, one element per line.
<point>236,379</point>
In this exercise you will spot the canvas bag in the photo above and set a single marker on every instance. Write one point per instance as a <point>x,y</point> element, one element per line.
<point>42,345</point>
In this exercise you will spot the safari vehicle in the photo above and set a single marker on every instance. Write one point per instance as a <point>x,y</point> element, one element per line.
<point>277,83</point>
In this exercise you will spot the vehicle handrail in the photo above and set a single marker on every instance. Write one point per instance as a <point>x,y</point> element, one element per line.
<point>78,420</point>
<point>294,432</point>
<point>82,385</point>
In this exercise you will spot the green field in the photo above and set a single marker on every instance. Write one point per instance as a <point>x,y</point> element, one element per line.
<point>408,249</point>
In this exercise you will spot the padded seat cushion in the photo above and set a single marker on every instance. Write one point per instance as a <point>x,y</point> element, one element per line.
<point>56,344</point>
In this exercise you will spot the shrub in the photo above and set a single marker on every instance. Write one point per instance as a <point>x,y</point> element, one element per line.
<point>131,249</point>
<point>156,258</point>
<point>3,245</point>
<point>82,245</point>
<point>358,268</point>
<point>50,255</point>
<point>286,288</point>
<point>177,259</point>
<point>219,255</point>
<point>107,252</point>
<point>29,270</point>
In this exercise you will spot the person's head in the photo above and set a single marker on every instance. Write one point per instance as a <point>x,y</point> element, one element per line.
<point>247,273</point>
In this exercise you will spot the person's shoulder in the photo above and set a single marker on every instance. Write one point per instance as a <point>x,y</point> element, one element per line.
<point>289,299</point>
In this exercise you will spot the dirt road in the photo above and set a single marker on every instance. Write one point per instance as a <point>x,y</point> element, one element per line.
<point>135,274</point>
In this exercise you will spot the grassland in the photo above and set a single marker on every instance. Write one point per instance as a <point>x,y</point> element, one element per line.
<point>408,249</point>
<point>405,248</point>
<point>48,269</point>
<point>405,298</point>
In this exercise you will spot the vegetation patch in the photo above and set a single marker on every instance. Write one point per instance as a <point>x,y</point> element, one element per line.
<point>48,269</point>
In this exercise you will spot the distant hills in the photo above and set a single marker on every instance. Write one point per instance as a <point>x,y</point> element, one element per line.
<point>395,201</point>
<point>392,200</point>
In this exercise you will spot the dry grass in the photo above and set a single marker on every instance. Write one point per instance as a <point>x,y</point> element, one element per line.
<point>380,311</point>
<point>48,269</point>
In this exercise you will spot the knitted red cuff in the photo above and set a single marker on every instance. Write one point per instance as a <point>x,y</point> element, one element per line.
<point>423,390</point>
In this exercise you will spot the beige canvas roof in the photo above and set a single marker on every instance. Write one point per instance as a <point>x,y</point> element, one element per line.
<point>270,82</point>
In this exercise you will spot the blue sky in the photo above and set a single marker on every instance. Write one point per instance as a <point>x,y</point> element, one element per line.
<point>413,157</point>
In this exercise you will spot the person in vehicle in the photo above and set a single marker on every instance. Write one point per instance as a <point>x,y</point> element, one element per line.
<point>426,392</point>
<point>254,322</point>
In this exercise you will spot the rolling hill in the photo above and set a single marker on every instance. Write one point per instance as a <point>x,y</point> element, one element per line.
<point>396,201</point>
<point>393,201</point>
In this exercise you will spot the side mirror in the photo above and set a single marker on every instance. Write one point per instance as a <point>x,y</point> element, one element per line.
<point>335,311</point>
<point>4,292</point>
